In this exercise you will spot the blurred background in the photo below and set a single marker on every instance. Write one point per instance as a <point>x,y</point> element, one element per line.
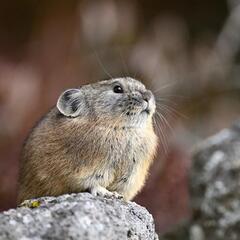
<point>186,51</point>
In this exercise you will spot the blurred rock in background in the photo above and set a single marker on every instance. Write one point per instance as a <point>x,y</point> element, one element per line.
<point>214,190</point>
<point>187,52</point>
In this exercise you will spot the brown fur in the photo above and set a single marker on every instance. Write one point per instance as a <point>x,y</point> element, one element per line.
<point>66,155</point>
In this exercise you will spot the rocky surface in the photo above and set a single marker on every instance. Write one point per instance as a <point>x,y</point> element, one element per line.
<point>77,216</point>
<point>215,189</point>
<point>215,186</point>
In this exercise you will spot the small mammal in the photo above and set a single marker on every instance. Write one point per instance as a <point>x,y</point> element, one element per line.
<point>98,138</point>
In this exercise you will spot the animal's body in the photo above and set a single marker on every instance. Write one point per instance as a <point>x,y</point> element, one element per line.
<point>99,138</point>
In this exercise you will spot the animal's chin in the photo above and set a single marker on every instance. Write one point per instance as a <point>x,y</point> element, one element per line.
<point>138,119</point>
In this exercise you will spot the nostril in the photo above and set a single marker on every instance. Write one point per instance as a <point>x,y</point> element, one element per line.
<point>147,96</point>
<point>145,99</point>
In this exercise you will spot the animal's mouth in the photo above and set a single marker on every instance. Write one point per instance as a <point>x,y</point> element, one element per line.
<point>146,109</point>
<point>142,109</point>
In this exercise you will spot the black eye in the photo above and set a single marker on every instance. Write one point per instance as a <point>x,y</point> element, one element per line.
<point>118,89</point>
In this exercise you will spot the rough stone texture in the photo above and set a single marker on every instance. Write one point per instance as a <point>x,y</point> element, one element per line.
<point>77,216</point>
<point>215,186</point>
<point>215,189</point>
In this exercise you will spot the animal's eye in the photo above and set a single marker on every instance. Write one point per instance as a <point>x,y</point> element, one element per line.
<point>118,89</point>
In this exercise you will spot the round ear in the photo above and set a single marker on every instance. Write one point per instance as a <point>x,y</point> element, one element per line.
<point>70,102</point>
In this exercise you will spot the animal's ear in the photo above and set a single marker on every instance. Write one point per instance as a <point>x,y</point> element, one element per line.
<point>71,103</point>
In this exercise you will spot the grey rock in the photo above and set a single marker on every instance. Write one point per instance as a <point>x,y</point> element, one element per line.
<point>214,189</point>
<point>215,185</point>
<point>77,216</point>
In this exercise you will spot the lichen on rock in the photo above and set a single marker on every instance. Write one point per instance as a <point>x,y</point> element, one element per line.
<point>77,216</point>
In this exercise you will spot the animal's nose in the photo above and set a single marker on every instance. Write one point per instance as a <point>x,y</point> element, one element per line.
<point>136,99</point>
<point>147,95</point>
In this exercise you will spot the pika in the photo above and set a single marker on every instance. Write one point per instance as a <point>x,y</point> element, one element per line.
<point>98,138</point>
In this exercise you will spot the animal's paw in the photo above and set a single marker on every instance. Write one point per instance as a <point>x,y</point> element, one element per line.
<point>103,192</point>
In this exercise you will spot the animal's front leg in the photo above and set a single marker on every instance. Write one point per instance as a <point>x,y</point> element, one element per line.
<point>103,192</point>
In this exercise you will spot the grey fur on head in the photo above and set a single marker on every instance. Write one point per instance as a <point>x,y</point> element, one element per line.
<point>124,98</point>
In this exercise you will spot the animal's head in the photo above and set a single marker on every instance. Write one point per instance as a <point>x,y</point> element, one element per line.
<point>119,101</point>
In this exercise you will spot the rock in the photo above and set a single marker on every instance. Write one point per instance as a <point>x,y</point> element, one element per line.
<point>215,185</point>
<point>77,216</point>
<point>214,189</point>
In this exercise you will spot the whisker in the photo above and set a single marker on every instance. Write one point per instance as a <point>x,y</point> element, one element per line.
<point>165,121</point>
<point>172,95</point>
<point>125,67</point>
<point>167,85</point>
<point>167,101</point>
<point>162,136</point>
<point>167,111</point>
<point>172,109</point>
<point>152,77</point>
<point>101,65</point>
